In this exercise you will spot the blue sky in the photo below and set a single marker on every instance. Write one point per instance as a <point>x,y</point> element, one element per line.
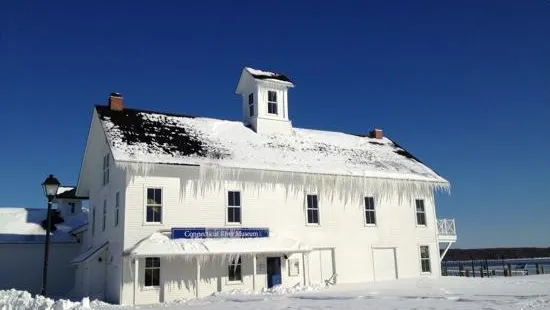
<point>463,85</point>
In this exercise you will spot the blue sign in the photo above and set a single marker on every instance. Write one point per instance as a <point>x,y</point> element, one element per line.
<point>226,232</point>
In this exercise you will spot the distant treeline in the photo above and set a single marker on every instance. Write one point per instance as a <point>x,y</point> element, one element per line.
<point>496,253</point>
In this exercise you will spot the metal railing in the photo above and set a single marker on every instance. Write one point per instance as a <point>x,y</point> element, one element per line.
<point>446,227</point>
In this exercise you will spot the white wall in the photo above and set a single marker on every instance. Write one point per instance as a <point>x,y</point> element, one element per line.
<point>178,278</point>
<point>97,148</point>
<point>64,207</point>
<point>342,224</point>
<point>21,267</point>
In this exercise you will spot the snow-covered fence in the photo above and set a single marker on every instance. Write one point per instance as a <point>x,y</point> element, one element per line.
<point>446,227</point>
<point>493,267</point>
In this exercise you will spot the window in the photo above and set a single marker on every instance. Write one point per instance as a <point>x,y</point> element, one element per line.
<point>104,215</point>
<point>370,214</point>
<point>251,104</point>
<point>93,221</point>
<point>425,258</point>
<point>72,205</point>
<point>420,213</point>
<point>152,271</point>
<point>233,207</point>
<point>154,205</point>
<point>117,207</point>
<point>312,209</point>
<point>106,169</point>
<point>271,102</point>
<point>234,271</point>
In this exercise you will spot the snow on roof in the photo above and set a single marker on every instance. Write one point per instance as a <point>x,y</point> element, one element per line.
<point>22,225</point>
<point>89,253</point>
<point>63,189</point>
<point>267,75</point>
<point>158,244</point>
<point>139,136</point>
<point>67,192</point>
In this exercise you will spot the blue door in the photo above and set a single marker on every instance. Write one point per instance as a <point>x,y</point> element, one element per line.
<point>273,271</point>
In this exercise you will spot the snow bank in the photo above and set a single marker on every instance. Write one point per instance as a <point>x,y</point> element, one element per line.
<point>21,300</point>
<point>276,290</point>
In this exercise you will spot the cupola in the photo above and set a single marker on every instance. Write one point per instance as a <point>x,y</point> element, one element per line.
<point>265,101</point>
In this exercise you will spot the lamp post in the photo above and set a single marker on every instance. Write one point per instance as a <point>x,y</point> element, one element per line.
<point>50,186</point>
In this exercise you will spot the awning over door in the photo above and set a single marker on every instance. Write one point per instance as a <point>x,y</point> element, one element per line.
<point>89,253</point>
<point>158,244</point>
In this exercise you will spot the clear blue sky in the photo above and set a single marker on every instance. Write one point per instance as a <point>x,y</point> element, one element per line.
<point>464,85</point>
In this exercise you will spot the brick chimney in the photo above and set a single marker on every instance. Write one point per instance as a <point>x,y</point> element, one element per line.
<point>116,102</point>
<point>377,133</point>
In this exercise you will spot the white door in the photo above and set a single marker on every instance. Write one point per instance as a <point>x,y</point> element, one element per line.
<point>326,265</point>
<point>315,268</point>
<point>320,266</point>
<point>384,264</point>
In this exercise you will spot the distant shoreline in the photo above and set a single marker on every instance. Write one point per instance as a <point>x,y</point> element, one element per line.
<point>496,253</point>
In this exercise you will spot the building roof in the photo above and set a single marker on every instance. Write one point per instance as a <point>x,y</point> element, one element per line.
<point>68,192</point>
<point>23,225</point>
<point>140,136</point>
<point>267,75</point>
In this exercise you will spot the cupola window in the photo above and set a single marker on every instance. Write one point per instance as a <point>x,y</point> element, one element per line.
<point>251,104</point>
<point>272,102</point>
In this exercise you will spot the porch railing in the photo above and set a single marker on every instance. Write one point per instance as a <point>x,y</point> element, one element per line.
<point>446,227</point>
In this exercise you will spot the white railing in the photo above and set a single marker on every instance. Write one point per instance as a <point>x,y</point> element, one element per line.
<point>446,227</point>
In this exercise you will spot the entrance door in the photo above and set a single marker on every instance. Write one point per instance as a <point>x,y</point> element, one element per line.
<point>273,271</point>
<point>384,264</point>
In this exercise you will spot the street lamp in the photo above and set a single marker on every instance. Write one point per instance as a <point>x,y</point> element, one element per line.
<point>50,186</point>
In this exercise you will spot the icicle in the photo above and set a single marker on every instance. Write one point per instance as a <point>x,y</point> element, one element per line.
<point>345,188</point>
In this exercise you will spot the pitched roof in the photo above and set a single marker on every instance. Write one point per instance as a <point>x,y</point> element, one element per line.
<point>153,137</point>
<point>67,192</point>
<point>23,225</point>
<point>267,75</point>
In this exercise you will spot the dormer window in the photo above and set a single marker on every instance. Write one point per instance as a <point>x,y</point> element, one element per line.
<point>272,102</point>
<point>251,104</point>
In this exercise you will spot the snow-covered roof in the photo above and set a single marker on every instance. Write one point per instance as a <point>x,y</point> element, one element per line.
<point>63,189</point>
<point>159,244</point>
<point>23,225</point>
<point>67,192</point>
<point>89,253</point>
<point>267,75</point>
<point>139,136</point>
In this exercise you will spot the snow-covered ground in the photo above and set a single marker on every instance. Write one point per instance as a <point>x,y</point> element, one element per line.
<point>527,292</point>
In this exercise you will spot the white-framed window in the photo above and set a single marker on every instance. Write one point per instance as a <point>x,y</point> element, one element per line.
<point>234,271</point>
<point>425,259</point>
<point>272,102</point>
<point>312,209</point>
<point>104,215</point>
<point>370,212</point>
<point>72,206</point>
<point>293,267</point>
<point>154,205</point>
<point>93,220</point>
<point>234,207</point>
<point>117,208</point>
<point>106,169</point>
<point>152,271</point>
<point>251,104</point>
<point>420,212</point>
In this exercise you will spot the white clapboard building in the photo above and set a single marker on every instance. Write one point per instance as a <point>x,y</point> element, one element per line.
<point>184,207</point>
